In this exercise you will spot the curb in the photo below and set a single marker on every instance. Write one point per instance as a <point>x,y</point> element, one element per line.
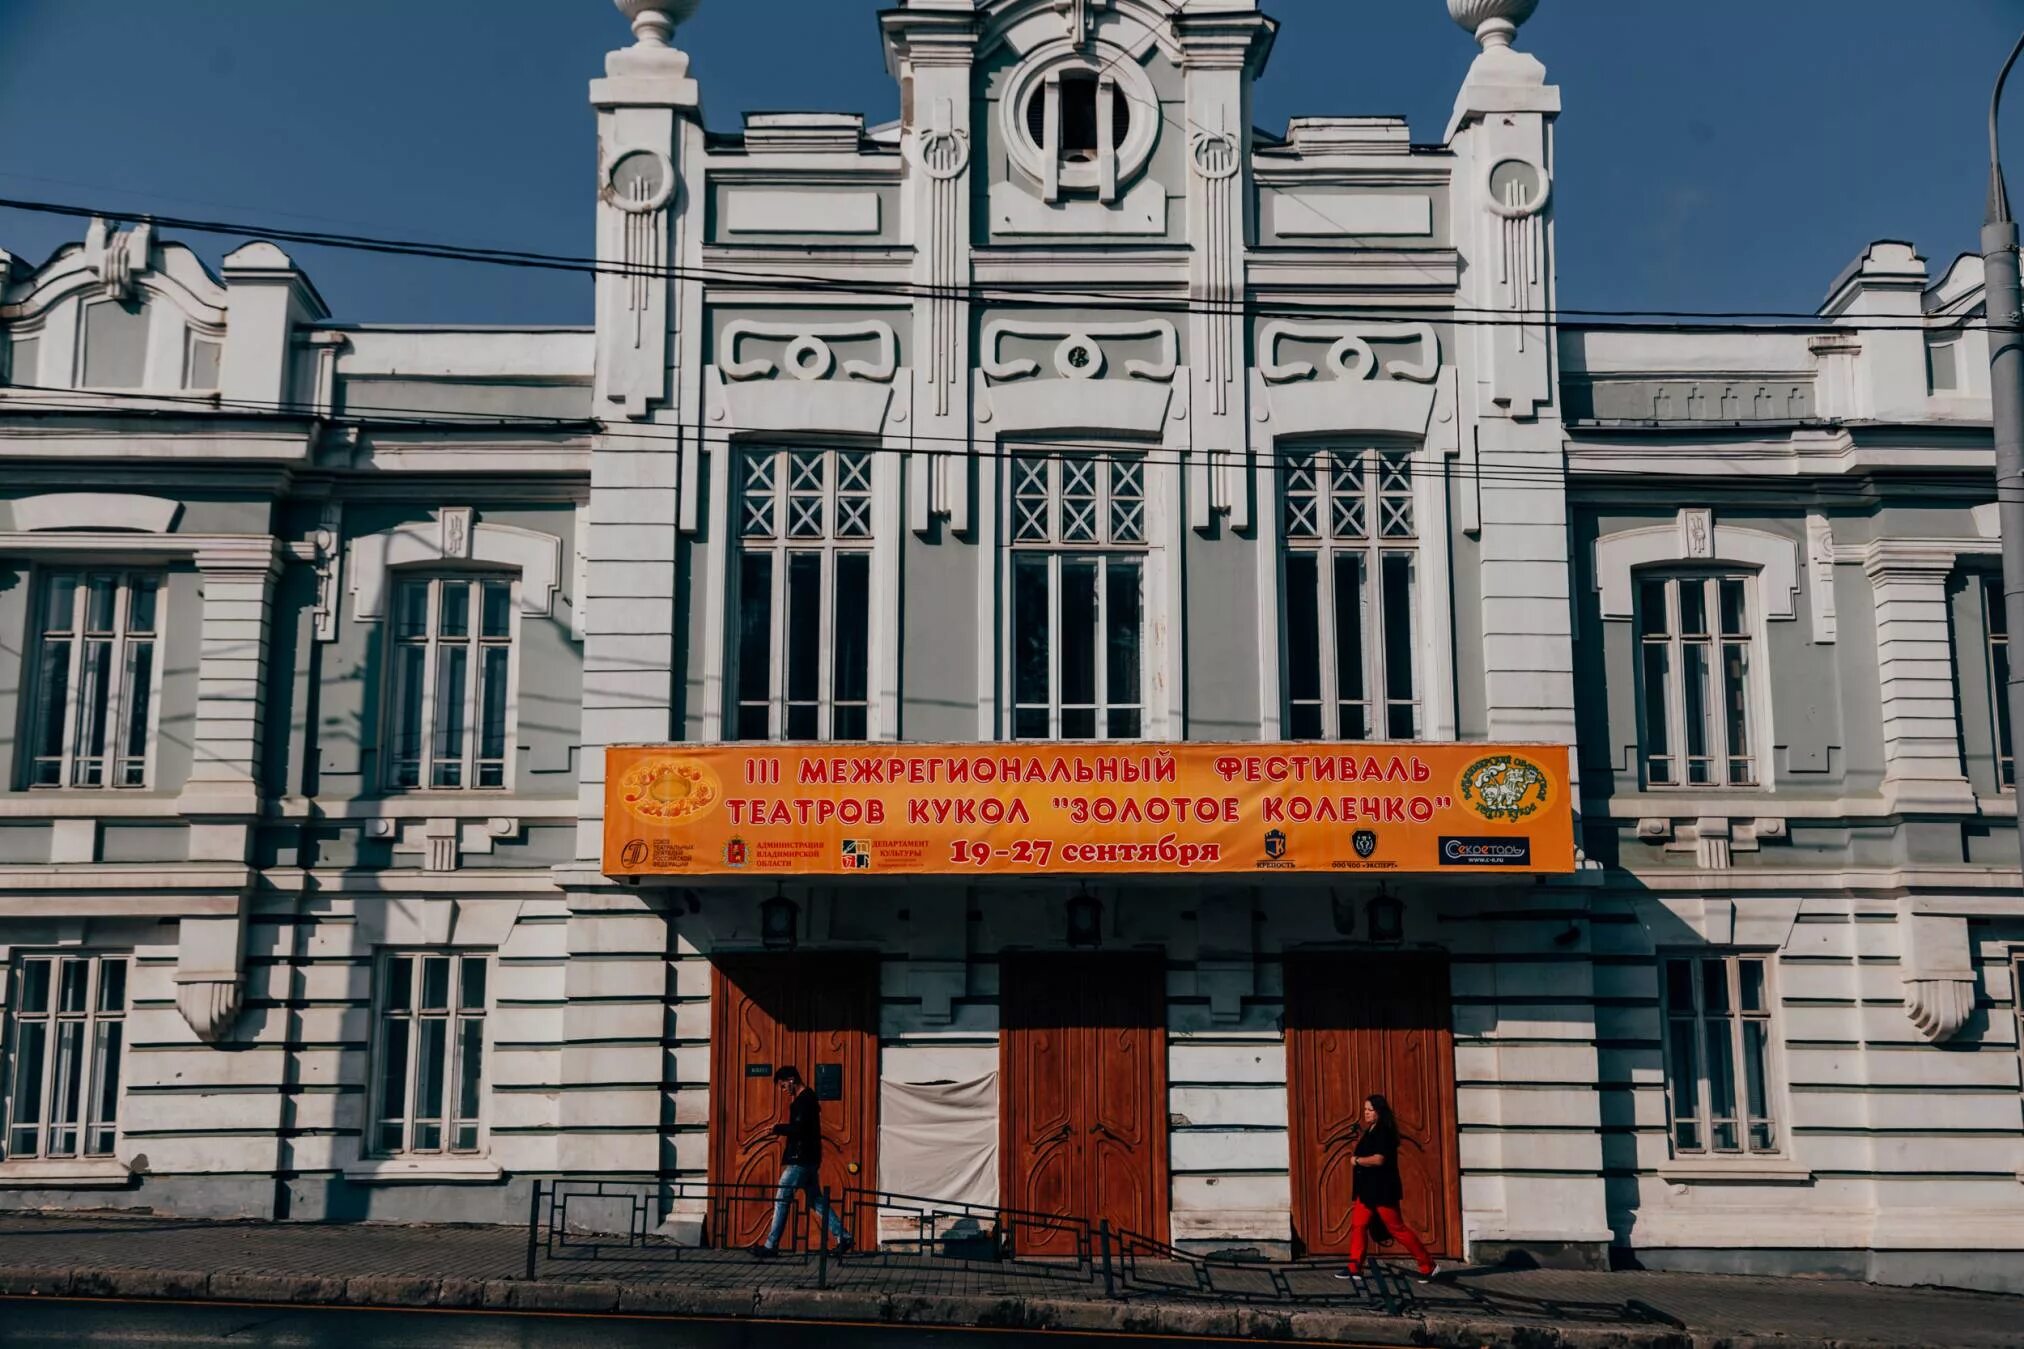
<point>1011,1313</point>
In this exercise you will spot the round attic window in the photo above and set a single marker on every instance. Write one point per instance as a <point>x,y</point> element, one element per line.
<point>1080,123</point>
<point>1081,83</point>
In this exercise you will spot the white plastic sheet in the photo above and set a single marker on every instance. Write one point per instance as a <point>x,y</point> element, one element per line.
<point>939,1140</point>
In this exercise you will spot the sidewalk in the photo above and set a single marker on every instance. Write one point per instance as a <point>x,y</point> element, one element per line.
<point>117,1256</point>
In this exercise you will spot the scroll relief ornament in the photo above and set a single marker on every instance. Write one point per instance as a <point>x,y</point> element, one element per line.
<point>1080,354</point>
<point>809,355</point>
<point>1351,356</point>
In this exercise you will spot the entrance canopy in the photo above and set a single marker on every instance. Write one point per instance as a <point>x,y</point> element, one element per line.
<point>1072,809</point>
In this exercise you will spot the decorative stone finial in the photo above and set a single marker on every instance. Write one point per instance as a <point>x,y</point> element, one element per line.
<point>654,21</point>
<point>1493,22</point>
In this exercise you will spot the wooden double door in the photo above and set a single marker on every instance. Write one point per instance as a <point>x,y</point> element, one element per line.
<point>820,1014</point>
<point>1358,1025</point>
<point>1083,1090</point>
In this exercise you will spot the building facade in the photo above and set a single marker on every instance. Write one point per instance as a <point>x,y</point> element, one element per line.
<point>1070,407</point>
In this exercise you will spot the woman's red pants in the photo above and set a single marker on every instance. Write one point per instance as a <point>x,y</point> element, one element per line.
<point>1395,1223</point>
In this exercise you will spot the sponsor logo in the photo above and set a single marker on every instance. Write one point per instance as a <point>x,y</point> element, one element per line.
<point>1503,787</point>
<point>633,854</point>
<point>856,854</point>
<point>1364,841</point>
<point>1486,852</point>
<point>735,854</point>
<point>1275,844</point>
<point>670,789</point>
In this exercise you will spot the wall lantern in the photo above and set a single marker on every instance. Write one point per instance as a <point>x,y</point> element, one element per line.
<point>1387,916</point>
<point>1085,920</point>
<point>779,923</point>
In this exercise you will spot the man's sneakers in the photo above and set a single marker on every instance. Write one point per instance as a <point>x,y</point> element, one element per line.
<point>1352,1272</point>
<point>759,1250</point>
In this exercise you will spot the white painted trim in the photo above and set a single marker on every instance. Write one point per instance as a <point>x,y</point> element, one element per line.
<point>537,556</point>
<point>1619,555</point>
<point>96,510</point>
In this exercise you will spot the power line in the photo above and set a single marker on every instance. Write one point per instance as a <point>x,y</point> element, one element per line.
<point>1605,320</point>
<point>1504,474</point>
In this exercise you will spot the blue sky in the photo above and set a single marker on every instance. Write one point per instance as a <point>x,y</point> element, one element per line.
<point>1725,154</point>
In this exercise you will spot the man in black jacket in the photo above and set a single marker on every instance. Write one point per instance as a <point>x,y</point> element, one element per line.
<point>800,1163</point>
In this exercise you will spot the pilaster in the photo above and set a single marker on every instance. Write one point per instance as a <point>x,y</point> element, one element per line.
<point>647,107</point>
<point>238,593</point>
<point>1502,136</point>
<point>933,53</point>
<point>1915,677</point>
<point>1219,53</point>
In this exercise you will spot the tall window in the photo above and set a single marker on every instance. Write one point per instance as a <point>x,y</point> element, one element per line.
<point>1695,668</point>
<point>1351,592</point>
<point>452,668</point>
<point>1718,1051</point>
<point>96,671</point>
<point>1078,597</point>
<point>66,1026</point>
<point>428,1091</point>
<point>804,595</point>
<point>1996,624</point>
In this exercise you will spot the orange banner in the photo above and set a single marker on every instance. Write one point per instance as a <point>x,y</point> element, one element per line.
<point>1085,809</point>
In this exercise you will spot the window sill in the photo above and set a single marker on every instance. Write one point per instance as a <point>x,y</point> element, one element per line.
<point>1767,1171</point>
<point>439,1170</point>
<point>37,1173</point>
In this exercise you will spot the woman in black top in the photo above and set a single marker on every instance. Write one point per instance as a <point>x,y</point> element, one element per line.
<point>1376,1189</point>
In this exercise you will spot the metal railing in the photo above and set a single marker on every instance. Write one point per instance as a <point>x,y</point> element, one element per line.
<point>677,1220</point>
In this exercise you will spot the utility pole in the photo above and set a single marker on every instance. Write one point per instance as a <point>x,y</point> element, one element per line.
<point>2005,317</point>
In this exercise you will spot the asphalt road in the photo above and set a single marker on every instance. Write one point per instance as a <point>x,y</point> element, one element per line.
<point>52,1321</point>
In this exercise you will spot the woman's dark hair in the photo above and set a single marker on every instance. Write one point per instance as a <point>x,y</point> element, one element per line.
<point>1384,1111</point>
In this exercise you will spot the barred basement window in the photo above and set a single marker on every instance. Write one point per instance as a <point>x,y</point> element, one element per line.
<point>803,657</point>
<point>1718,1052</point>
<point>452,676</point>
<point>1696,671</point>
<point>1996,624</point>
<point>66,1027</point>
<point>1078,597</point>
<point>1351,566</point>
<point>428,1088</point>
<point>97,677</point>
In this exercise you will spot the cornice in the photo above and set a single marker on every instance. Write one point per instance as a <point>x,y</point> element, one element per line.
<point>924,38</point>
<point>219,551</point>
<point>1231,40</point>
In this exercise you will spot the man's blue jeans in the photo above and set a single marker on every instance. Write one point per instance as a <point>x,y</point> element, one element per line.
<point>806,1180</point>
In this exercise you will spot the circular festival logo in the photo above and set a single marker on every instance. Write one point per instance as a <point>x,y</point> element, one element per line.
<point>1503,787</point>
<point>668,789</point>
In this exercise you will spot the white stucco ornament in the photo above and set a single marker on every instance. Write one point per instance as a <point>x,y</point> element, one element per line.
<point>1493,22</point>
<point>654,21</point>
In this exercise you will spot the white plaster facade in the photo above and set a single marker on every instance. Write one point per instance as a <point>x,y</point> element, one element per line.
<point>937,294</point>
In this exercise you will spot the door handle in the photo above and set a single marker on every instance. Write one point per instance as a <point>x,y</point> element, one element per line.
<point>1099,1129</point>
<point>1065,1131</point>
